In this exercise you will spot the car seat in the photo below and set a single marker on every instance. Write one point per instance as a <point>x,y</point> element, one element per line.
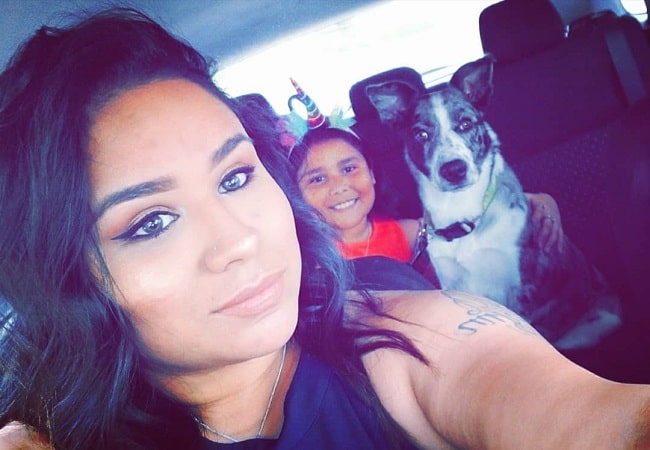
<point>554,81</point>
<point>397,193</point>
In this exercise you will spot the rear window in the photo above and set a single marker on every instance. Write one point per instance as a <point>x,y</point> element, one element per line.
<point>432,37</point>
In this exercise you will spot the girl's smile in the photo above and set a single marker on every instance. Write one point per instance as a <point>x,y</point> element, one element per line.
<point>345,205</point>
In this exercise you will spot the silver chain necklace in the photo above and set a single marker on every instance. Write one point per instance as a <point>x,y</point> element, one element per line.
<point>207,427</point>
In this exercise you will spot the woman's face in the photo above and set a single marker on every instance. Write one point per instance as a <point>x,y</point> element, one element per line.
<point>199,239</point>
<point>336,180</point>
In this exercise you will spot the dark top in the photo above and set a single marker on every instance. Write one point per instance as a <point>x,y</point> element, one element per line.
<point>320,414</point>
<point>382,273</point>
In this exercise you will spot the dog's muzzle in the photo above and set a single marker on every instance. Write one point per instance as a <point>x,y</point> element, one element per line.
<point>454,171</point>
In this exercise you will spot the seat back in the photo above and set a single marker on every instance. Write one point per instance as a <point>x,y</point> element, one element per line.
<point>397,194</point>
<point>550,87</point>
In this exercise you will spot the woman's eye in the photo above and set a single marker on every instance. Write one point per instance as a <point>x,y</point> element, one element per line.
<point>235,179</point>
<point>349,169</point>
<point>150,226</point>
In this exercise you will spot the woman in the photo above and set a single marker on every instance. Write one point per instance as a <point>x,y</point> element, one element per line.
<point>169,289</point>
<point>334,177</point>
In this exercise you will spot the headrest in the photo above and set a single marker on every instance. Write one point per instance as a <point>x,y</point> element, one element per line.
<point>512,29</point>
<point>590,22</point>
<point>361,105</point>
<point>258,101</point>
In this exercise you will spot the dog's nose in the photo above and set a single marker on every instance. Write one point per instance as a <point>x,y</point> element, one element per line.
<point>454,171</point>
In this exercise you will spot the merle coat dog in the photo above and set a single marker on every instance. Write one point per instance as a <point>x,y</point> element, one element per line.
<point>480,238</point>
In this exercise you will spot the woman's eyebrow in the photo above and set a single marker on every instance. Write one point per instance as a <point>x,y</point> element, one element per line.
<point>228,147</point>
<point>162,184</point>
<point>133,192</point>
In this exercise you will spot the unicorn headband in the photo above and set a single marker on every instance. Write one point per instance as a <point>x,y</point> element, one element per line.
<point>315,118</point>
<point>298,125</point>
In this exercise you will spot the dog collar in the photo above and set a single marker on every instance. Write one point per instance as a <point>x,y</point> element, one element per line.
<point>490,192</point>
<point>455,230</point>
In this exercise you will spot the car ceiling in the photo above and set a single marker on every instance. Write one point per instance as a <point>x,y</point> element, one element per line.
<point>219,28</point>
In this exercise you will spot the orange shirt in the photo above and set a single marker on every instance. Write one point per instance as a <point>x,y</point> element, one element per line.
<point>387,239</point>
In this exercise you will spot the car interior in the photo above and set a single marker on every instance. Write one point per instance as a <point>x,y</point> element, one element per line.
<point>571,106</point>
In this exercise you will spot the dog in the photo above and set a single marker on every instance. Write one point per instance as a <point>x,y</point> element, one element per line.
<point>480,236</point>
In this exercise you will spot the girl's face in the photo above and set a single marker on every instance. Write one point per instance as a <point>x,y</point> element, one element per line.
<point>199,239</point>
<point>336,180</point>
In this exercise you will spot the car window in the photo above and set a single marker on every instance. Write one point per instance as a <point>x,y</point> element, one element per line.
<point>637,8</point>
<point>433,37</point>
<point>326,45</point>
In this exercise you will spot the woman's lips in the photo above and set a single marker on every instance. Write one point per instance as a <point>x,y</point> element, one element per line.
<point>256,298</point>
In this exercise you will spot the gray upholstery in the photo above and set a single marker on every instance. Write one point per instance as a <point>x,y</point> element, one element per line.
<point>563,88</point>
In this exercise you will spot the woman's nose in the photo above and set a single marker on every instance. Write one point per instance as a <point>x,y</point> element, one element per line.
<point>233,242</point>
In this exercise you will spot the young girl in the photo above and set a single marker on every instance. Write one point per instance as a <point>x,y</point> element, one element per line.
<point>167,287</point>
<point>335,178</point>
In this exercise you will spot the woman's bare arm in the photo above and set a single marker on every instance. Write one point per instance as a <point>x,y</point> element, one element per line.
<point>493,382</point>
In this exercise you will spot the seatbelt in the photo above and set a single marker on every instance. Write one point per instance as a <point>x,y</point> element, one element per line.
<point>625,65</point>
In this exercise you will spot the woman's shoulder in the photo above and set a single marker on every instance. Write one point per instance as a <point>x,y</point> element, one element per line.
<point>484,363</point>
<point>461,338</point>
<point>449,328</point>
<point>452,312</point>
<point>407,386</point>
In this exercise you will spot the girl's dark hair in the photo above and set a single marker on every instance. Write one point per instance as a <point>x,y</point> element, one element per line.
<point>322,134</point>
<point>69,362</point>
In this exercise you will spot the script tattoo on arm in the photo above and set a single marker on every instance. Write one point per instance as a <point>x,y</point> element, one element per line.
<point>483,313</point>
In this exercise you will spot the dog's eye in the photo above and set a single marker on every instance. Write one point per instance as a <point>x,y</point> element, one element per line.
<point>421,135</point>
<point>464,125</point>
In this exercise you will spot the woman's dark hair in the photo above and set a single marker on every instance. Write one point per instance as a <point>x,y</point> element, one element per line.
<point>69,359</point>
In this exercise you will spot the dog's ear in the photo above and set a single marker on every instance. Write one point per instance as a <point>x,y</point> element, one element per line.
<point>392,100</point>
<point>474,80</point>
